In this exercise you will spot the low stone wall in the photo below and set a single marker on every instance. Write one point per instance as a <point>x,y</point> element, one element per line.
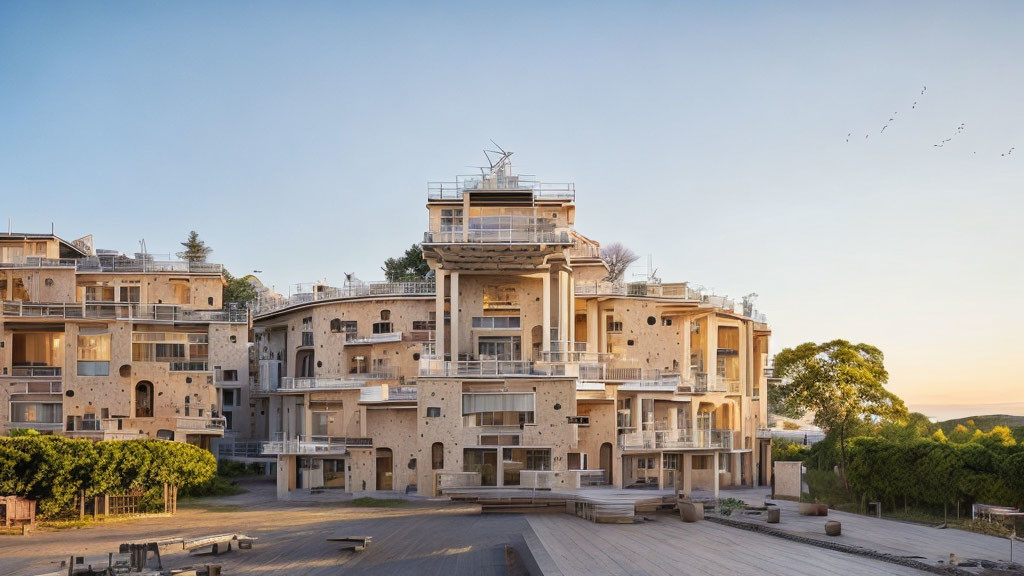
<point>788,480</point>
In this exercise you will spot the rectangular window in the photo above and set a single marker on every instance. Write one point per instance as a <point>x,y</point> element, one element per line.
<point>496,322</point>
<point>505,348</point>
<point>320,421</point>
<point>614,326</point>
<point>94,354</point>
<point>131,294</point>
<point>382,328</point>
<point>229,375</point>
<point>502,402</point>
<point>229,397</point>
<point>37,412</point>
<point>500,298</point>
<point>433,411</point>
<point>702,462</point>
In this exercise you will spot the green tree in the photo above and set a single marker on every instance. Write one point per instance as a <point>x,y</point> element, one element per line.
<point>195,249</point>
<point>237,289</point>
<point>410,267</point>
<point>840,383</point>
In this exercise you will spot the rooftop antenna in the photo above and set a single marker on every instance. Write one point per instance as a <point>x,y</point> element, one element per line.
<point>10,223</point>
<point>502,164</point>
<point>51,229</point>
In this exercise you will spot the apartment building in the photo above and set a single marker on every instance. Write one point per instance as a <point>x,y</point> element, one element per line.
<point>518,364</point>
<point>97,344</point>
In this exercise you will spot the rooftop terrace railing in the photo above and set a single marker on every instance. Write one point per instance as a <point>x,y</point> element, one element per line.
<point>517,235</point>
<point>118,263</point>
<point>201,423</point>
<point>123,311</point>
<point>470,368</point>
<point>360,290</point>
<point>541,190</point>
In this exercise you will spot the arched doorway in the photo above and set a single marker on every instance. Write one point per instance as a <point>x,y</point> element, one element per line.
<point>437,456</point>
<point>385,469</point>
<point>606,461</point>
<point>144,399</point>
<point>304,364</point>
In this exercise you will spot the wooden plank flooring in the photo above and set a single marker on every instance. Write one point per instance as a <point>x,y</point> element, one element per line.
<point>668,546</point>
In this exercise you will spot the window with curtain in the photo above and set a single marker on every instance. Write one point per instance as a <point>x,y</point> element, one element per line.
<point>94,354</point>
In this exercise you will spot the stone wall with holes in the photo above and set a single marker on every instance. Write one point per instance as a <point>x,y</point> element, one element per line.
<point>394,428</point>
<point>555,401</point>
<point>528,290</point>
<point>331,356</point>
<point>602,429</point>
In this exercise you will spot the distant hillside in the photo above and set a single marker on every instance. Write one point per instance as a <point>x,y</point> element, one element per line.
<point>983,423</point>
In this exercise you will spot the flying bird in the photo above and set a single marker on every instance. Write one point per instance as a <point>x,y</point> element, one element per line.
<point>923,89</point>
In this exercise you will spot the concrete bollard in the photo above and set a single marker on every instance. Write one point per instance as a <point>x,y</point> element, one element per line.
<point>833,528</point>
<point>774,514</point>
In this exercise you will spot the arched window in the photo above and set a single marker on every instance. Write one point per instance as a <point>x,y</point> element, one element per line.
<point>437,456</point>
<point>336,325</point>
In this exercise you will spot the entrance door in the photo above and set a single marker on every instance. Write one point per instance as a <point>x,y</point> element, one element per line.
<point>606,461</point>
<point>385,469</point>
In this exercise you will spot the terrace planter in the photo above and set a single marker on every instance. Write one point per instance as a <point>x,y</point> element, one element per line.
<point>833,528</point>
<point>822,509</point>
<point>774,514</point>
<point>807,509</point>
<point>691,511</point>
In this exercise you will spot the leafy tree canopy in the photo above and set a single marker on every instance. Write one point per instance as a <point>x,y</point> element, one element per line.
<point>840,383</point>
<point>238,290</point>
<point>410,267</point>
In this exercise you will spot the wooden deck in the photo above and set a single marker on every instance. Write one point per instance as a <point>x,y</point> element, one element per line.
<point>668,547</point>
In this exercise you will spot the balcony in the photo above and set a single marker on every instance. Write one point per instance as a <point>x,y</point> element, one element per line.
<point>526,234</point>
<point>479,368</point>
<point>352,339</point>
<point>679,439</point>
<point>240,449</point>
<point>319,293</point>
<point>504,182</point>
<point>199,424</point>
<point>36,371</point>
<point>171,313</point>
<point>315,445</point>
<point>301,384</point>
<point>384,393</point>
<point>188,367</point>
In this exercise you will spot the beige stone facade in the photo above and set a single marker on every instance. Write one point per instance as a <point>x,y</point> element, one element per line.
<point>519,363</point>
<point>99,345</point>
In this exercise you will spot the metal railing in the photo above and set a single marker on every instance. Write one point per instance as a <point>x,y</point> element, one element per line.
<point>434,367</point>
<point>200,423</point>
<point>318,383</point>
<point>354,339</point>
<point>189,367</point>
<point>355,290</point>
<point>122,263</point>
<point>314,445</point>
<point>463,184</point>
<point>499,236</point>
<point>240,449</point>
<point>36,387</point>
<point>123,311</point>
<point>385,393</point>
<point>682,438</point>
<point>40,262</point>
<point>35,371</point>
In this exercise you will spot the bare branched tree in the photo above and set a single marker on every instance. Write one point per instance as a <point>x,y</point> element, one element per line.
<point>618,258</point>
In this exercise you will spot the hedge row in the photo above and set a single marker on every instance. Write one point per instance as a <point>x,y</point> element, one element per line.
<point>933,473</point>
<point>54,470</point>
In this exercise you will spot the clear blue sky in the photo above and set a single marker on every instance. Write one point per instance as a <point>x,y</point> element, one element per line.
<point>297,138</point>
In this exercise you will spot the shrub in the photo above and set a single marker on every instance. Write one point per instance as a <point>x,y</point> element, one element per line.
<point>55,470</point>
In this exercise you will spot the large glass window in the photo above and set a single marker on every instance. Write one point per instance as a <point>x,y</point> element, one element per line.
<point>499,348</point>
<point>94,354</point>
<point>37,412</point>
<point>500,297</point>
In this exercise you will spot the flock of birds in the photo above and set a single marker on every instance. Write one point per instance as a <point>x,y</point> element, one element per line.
<point>960,129</point>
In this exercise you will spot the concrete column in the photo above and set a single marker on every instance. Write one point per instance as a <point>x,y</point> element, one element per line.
<point>563,305</point>
<point>661,471</point>
<point>454,345</point>
<point>593,321</point>
<point>714,468</point>
<point>572,308</point>
<point>686,348</point>
<point>687,473</point>
<point>439,314</point>
<point>465,219</point>
<point>307,420</point>
<point>546,311</point>
<point>673,417</point>
<point>712,350</point>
